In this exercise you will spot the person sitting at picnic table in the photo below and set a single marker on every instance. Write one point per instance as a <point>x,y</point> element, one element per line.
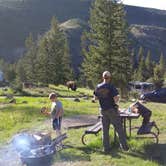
<point>139,108</point>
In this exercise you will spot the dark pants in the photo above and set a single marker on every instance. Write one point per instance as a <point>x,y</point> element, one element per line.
<point>111,116</point>
<point>56,124</point>
<point>145,128</point>
<point>146,118</point>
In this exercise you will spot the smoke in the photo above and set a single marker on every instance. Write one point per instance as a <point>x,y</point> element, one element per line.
<point>31,149</point>
<point>23,142</point>
<point>10,154</point>
<point>9,157</point>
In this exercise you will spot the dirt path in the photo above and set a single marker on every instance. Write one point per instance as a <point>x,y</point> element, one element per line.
<point>72,122</point>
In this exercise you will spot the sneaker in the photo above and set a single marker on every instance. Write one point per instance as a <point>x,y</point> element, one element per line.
<point>145,129</point>
<point>141,130</point>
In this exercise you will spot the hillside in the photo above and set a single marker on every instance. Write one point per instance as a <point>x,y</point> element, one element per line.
<point>152,38</point>
<point>20,17</point>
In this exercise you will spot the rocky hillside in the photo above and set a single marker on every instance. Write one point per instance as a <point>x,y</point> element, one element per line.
<point>20,17</point>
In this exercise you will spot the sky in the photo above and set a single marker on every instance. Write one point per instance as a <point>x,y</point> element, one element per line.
<point>158,4</point>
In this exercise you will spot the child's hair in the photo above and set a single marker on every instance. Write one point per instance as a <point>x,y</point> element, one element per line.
<point>52,95</point>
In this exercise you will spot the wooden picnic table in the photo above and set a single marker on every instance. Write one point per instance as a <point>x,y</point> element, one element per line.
<point>96,128</point>
<point>125,115</point>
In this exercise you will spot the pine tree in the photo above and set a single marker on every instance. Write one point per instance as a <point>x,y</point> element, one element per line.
<point>26,65</point>
<point>30,59</point>
<point>141,73</point>
<point>162,64</point>
<point>20,70</point>
<point>148,66</point>
<point>42,62</point>
<point>105,46</point>
<point>9,72</point>
<point>2,64</point>
<point>53,56</point>
<point>140,54</point>
<point>158,77</point>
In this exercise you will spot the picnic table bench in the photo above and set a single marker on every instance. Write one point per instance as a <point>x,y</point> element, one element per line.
<point>92,130</point>
<point>152,134</point>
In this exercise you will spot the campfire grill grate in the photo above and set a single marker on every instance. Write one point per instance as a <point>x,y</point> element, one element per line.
<point>37,151</point>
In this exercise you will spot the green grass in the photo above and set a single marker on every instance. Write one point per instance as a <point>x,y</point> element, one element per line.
<point>92,154</point>
<point>23,116</point>
<point>15,117</point>
<point>5,90</point>
<point>61,90</point>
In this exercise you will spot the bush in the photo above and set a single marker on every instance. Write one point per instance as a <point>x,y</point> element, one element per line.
<point>17,86</point>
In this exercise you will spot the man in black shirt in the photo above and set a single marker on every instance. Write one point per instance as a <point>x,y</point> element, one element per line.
<point>108,97</point>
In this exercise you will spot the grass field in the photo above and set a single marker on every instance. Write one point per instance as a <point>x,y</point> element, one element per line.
<point>25,114</point>
<point>61,90</point>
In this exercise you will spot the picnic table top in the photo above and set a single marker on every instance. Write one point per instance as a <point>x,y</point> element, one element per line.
<point>124,113</point>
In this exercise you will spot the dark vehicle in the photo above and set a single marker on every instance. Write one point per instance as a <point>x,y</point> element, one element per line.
<point>140,87</point>
<point>158,95</point>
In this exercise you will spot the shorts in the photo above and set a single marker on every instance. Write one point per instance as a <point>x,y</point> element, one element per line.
<point>56,123</point>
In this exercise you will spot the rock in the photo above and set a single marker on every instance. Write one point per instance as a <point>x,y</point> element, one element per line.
<point>77,100</point>
<point>12,101</point>
<point>86,97</point>
<point>24,102</point>
<point>9,96</point>
<point>41,92</point>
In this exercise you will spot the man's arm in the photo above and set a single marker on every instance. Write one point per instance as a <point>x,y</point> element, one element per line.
<point>94,96</point>
<point>116,99</point>
<point>44,110</point>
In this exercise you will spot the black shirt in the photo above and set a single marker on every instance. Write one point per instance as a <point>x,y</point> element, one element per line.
<point>106,92</point>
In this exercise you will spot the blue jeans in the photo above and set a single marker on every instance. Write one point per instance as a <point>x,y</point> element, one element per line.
<point>56,124</point>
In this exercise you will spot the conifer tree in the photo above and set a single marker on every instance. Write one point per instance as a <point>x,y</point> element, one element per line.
<point>2,64</point>
<point>53,56</point>
<point>29,59</point>
<point>9,72</point>
<point>141,72</point>
<point>158,77</point>
<point>105,45</point>
<point>140,54</point>
<point>148,66</point>
<point>162,64</point>
<point>21,71</point>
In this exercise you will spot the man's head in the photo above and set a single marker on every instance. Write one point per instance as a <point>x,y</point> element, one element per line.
<point>106,75</point>
<point>52,96</point>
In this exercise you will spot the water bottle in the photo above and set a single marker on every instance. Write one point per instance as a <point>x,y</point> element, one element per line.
<point>129,110</point>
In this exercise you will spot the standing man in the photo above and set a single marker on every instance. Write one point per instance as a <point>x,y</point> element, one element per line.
<point>108,98</point>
